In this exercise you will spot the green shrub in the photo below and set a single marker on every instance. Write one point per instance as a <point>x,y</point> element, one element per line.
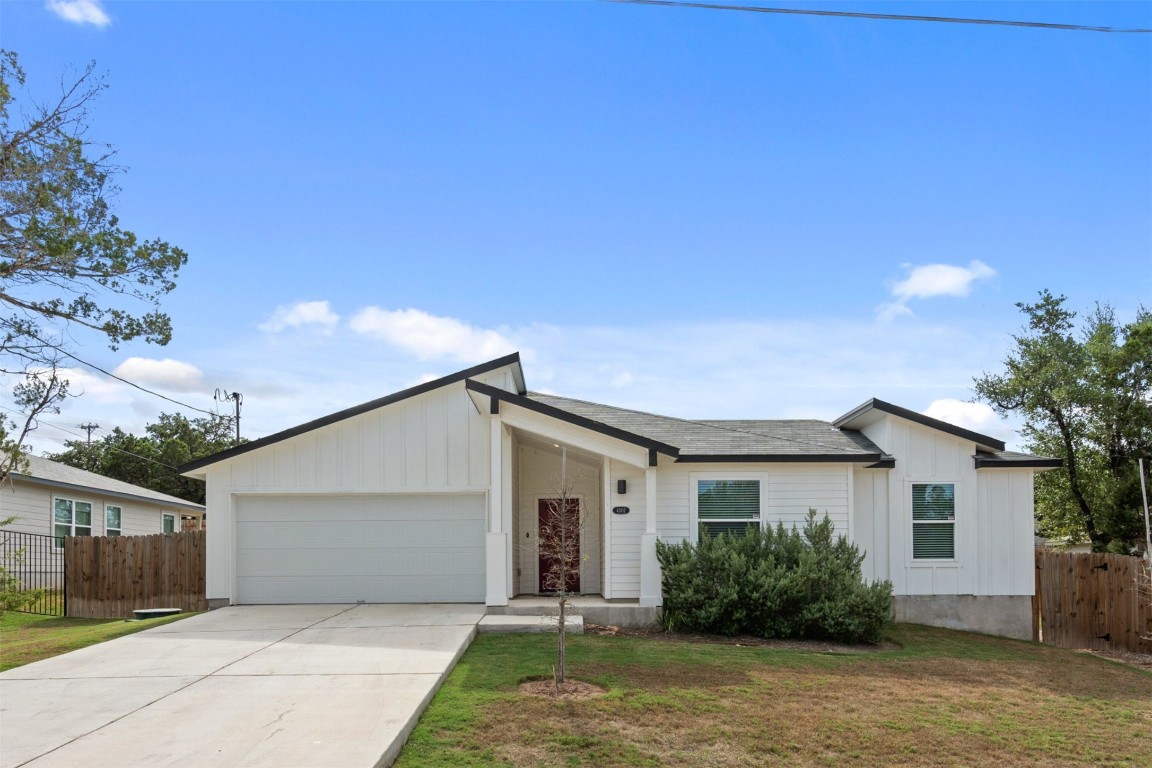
<point>774,583</point>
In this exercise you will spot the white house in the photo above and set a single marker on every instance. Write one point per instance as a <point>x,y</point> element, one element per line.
<point>433,494</point>
<point>56,499</point>
<point>48,498</point>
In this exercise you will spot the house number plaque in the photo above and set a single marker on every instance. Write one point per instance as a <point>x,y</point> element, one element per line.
<point>619,510</point>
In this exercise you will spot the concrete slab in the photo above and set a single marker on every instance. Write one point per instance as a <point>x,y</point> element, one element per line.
<point>517,624</point>
<point>222,692</point>
<point>404,615</point>
<point>171,654</point>
<point>244,617</point>
<point>273,722</point>
<point>41,715</point>
<point>359,650</point>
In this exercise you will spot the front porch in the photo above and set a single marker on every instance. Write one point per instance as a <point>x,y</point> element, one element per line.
<point>594,608</point>
<point>614,484</point>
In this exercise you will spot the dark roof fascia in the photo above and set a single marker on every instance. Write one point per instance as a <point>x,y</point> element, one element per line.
<point>921,419</point>
<point>1039,462</point>
<point>513,398</point>
<point>357,410</point>
<point>888,462</point>
<point>89,490</point>
<point>808,458</point>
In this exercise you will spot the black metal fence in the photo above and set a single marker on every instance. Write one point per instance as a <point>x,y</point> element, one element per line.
<point>34,564</point>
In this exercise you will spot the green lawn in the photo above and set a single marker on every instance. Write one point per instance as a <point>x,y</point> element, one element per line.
<point>942,699</point>
<point>28,637</point>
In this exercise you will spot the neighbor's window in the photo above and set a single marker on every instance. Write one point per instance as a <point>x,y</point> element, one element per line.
<point>169,523</point>
<point>728,506</point>
<point>70,518</point>
<point>933,521</point>
<point>112,521</point>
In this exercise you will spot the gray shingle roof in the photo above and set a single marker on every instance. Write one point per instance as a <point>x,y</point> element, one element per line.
<point>787,437</point>
<point>54,473</point>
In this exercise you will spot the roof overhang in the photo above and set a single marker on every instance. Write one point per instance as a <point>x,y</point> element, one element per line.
<point>872,410</point>
<point>872,459</point>
<point>1032,462</point>
<point>87,489</point>
<point>513,360</point>
<point>488,400</point>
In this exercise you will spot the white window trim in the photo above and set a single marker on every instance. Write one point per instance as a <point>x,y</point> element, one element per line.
<point>694,494</point>
<point>71,525</point>
<point>163,516</point>
<point>120,530</point>
<point>933,561</point>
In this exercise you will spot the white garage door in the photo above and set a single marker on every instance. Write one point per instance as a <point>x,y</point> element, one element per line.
<point>346,549</point>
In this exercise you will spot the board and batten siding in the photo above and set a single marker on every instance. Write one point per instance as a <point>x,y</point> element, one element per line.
<point>994,514</point>
<point>433,442</point>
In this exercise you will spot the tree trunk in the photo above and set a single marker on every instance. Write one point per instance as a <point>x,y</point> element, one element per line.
<point>560,642</point>
<point>1074,479</point>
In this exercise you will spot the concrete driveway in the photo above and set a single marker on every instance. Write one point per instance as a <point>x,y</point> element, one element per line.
<point>283,686</point>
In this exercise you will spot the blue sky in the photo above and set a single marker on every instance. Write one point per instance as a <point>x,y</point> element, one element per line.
<point>698,213</point>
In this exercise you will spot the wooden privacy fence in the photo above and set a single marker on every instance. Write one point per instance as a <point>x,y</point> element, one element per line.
<point>1090,600</point>
<point>111,576</point>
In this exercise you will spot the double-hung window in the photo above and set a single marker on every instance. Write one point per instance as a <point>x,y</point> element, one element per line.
<point>727,506</point>
<point>933,521</point>
<point>169,523</point>
<point>112,516</point>
<point>70,518</point>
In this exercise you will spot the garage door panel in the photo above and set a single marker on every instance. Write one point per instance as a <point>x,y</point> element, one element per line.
<point>359,562</point>
<point>362,508</point>
<point>419,548</point>
<point>282,535</point>
<point>406,589</point>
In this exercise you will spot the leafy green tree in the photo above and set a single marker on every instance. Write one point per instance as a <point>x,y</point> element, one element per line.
<point>1086,397</point>
<point>148,460</point>
<point>66,264</point>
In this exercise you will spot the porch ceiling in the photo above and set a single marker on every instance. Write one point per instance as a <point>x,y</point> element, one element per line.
<point>547,445</point>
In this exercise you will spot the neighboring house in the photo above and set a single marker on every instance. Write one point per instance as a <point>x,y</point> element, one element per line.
<point>53,499</point>
<point>56,499</point>
<point>433,494</point>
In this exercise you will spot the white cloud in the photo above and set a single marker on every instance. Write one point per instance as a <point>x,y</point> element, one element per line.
<point>80,11</point>
<point>172,375</point>
<point>300,314</point>
<point>930,280</point>
<point>760,369</point>
<point>431,337</point>
<point>889,311</point>
<point>978,417</point>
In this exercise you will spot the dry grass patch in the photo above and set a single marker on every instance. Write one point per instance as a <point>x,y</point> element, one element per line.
<point>940,698</point>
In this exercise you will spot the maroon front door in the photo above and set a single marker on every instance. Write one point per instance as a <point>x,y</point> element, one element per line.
<point>559,542</point>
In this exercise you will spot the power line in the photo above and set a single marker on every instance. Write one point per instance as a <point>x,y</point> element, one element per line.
<point>89,428</point>
<point>882,16</point>
<point>40,422</point>
<point>95,367</point>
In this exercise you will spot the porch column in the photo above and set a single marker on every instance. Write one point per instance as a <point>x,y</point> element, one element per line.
<point>496,540</point>
<point>650,591</point>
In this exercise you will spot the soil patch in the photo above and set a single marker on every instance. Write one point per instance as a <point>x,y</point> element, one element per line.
<point>747,641</point>
<point>569,689</point>
<point>1138,660</point>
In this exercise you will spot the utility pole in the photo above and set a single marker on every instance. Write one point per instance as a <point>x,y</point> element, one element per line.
<point>89,428</point>
<point>223,395</point>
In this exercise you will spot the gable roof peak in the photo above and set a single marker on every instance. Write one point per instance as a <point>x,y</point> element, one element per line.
<point>860,412</point>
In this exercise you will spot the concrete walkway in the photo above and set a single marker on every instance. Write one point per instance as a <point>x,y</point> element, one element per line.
<point>292,686</point>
